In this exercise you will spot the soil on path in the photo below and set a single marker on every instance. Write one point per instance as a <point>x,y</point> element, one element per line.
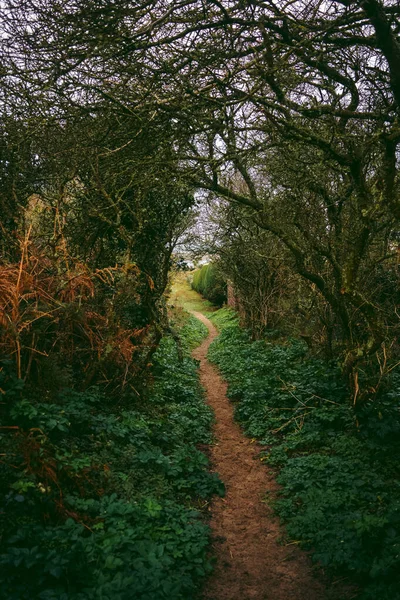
<point>251,564</point>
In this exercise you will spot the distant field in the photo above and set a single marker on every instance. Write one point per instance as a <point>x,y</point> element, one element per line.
<point>183,295</point>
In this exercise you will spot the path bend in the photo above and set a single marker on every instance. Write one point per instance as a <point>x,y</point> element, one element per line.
<point>251,564</point>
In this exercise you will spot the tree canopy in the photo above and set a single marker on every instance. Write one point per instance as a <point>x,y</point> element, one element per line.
<point>289,111</point>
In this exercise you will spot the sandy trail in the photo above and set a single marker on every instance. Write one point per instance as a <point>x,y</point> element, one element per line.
<point>250,562</point>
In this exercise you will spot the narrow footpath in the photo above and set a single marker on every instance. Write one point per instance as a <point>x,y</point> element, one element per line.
<point>251,564</point>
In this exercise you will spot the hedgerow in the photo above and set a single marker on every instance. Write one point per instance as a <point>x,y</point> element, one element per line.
<point>338,468</point>
<point>209,282</point>
<point>102,498</point>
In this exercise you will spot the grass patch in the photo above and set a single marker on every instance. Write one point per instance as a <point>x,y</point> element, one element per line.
<point>182,295</point>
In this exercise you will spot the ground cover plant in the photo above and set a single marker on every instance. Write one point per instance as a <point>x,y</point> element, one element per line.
<point>338,468</point>
<point>102,497</point>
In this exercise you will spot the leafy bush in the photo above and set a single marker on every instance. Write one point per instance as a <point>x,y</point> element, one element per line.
<point>209,282</point>
<point>339,469</point>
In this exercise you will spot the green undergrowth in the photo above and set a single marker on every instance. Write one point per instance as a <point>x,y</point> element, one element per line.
<point>121,513</point>
<point>193,333</point>
<point>338,469</point>
<point>225,317</point>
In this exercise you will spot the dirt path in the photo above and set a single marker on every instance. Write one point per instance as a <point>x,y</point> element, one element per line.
<point>251,563</point>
